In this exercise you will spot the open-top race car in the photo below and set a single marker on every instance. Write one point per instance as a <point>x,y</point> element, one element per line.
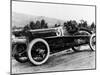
<point>37,45</point>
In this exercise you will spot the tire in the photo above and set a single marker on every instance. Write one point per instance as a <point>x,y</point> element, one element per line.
<point>21,59</point>
<point>38,51</point>
<point>93,36</point>
<point>80,32</point>
<point>20,55</point>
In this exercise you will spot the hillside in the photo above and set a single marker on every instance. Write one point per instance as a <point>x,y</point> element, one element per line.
<point>20,20</point>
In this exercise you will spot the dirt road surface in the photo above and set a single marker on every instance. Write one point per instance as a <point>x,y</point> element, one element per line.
<point>65,60</point>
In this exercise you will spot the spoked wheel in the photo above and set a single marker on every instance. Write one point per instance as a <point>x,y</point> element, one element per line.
<point>80,32</point>
<point>20,54</point>
<point>38,51</point>
<point>93,42</point>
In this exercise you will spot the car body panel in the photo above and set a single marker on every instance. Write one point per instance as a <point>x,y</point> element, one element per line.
<point>54,36</point>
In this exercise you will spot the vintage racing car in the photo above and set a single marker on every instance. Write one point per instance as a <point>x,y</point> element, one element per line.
<point>37,45</point>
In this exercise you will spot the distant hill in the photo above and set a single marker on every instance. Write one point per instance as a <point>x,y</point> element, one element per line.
<point>20,20</point>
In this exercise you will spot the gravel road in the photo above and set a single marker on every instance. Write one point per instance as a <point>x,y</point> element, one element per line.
<point>65,60</point>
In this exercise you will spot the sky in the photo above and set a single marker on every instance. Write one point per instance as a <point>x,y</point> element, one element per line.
<point>58,11</point>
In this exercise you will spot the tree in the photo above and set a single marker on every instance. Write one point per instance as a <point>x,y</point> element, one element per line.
<point>44,24</point>
<point>83,24</point>
<point>24,31</point>
<point>26,27</point>
<point>32,25</point>
<point>37,25</point>
<point>92,25</point>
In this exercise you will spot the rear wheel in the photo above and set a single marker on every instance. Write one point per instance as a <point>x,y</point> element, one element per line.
<point>80,32</point>
<point>93,42</point>
<point>38,51</point>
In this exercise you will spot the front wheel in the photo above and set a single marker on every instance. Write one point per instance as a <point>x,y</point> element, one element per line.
<point>38,51</point>
<point>20,54</point>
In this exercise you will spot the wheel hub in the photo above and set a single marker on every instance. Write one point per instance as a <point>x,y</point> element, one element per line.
<point>40,54</point>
